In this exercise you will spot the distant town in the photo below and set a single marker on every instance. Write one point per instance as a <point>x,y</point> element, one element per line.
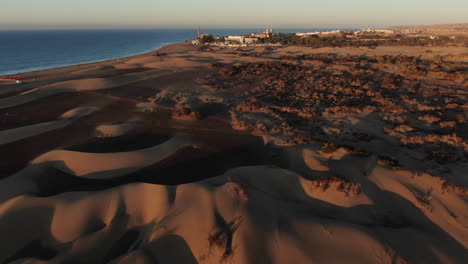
<point>237,40</point>
<point>363,37</point>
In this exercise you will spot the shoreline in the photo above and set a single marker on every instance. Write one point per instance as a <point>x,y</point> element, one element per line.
<point>461,57</point>
<point>58,67</point>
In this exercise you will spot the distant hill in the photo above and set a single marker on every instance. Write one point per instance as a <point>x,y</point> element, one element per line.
<point>441,29</point>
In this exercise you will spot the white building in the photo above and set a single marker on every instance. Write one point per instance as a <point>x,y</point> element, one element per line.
<point>382,31</point>
<point>250,40</point>
<point>239,39</point>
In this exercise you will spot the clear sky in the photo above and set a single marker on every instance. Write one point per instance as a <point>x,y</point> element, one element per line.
<point>41,14</point>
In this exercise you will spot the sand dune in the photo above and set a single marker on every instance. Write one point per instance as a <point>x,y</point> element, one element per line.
<point>108,165</point>
<point>116,130</point>
<point>234,208</point>
<point>90,165</point>
<point>284,155</point>
<point>12,135</point>
<point>65,87</point>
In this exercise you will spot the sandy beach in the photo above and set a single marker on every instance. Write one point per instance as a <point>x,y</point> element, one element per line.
<point>194,154</point>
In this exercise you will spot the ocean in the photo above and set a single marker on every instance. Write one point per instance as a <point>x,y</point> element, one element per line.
<point>24,51</point>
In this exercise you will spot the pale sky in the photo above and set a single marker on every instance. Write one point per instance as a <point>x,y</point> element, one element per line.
<point>63,14</point>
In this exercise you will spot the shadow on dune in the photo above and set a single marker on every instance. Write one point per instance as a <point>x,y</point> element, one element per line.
<point>205,59</point>
<point>123,245</point>
<point>30,224</point>
<point>145,89</point>
<point>208,109</point>
<point>34,112</point>
<point>17,154</point>
<point>35,250</point>
<point>185,166</point>
<point>393,221</point>
<point>117,72</point>
<point>125,143</point>
<point>170,249</point>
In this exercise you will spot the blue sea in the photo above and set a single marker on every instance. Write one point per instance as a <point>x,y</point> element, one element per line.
<point>23,51</point>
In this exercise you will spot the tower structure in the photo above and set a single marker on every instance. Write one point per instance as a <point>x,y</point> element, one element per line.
<point>199,32</point>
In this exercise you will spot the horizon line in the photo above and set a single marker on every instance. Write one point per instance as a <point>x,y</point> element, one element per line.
<point>225,27</point>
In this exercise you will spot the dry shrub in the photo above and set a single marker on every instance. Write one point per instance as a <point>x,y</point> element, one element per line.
<point>403,128</point>
<point>185,113</point>
<point>249,107</point>
<point>395,119</point>
<point>448,125</point>
<point>309,113</point>
<point>342,185</point>
<point>217,65</point>
<point>429,118</point>
<point>412,140</point>
<point>450,187</point>
<point>329,148</point>
<point>388,160</point>
<point>359,153</point>
<point>460,119</point>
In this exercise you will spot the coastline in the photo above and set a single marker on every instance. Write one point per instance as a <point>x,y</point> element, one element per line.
<point>458,55</point>
<point>34,70</point>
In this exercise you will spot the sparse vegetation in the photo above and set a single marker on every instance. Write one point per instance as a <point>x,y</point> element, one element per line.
<point>185,113</point>
<point>207,39</point>
<point>295,98</point>
<point>362,41</point>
